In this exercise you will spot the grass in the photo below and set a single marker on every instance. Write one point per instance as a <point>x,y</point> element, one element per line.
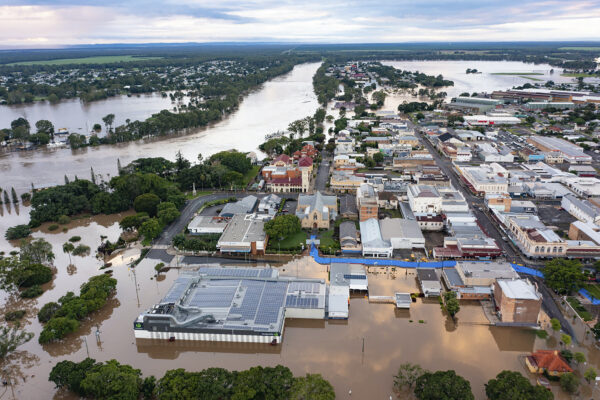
<point>578,75</point>
<point>580,48</point>
<point>522,74</point>
<point>251,174</point>
<point>530,78</point>
<point>326,239</point>
<point>583,313</point>
<point>86,60</point>
<point>289,242</point>
<point>189,195</point>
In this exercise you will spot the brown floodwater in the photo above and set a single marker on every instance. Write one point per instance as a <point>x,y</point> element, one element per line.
<point>332,348</point>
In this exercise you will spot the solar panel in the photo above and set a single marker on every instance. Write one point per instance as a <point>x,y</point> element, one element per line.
<point>177,290</point>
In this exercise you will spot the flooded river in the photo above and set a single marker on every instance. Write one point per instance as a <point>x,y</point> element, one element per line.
<point>268,109</point>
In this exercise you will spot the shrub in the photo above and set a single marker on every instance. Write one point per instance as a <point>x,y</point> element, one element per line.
<point>31,292</point>
<point>81,250</point>
<point>542,334</point>
<point>14,315</point>
<point>53,227</point>
<point>26,196</point>
<point>57,328</point>
<point>17,232</point>
<point>48,311</point>
<point>74,239</point>
<point>63,220</point>
<point>36,274</point>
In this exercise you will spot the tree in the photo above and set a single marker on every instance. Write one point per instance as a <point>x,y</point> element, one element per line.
<point>443,385</point>
<point>311,387</point>
<point>596,330</point>
<point>452,305</point>
<point>97,127</point>
<point>168,215</point>
<point>555,323</point>
<point>511,385</point>
<point>569,382</point>
<point>48,311</point>
<point>590,374</point>
<point>68,248</point>
<point>579,357</point>
<point>566,339</point>
<point>407,376</point>
<point>564,276</point>
<point>108,121</point>
<point>282,226</point>
<point>378,157</point>
<point>150,229</point>
<point>112,381</point>
<point>147,203</point>
<point>44,126</point>
<point>11,338</point>
<point>57,328</point>
<point>69,374</point>
<point>15,198</point>
<point>37,251</point>
<point>17,232</point>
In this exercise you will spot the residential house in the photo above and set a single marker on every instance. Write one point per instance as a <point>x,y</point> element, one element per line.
<point>349,238</point>
<point>547,361</point>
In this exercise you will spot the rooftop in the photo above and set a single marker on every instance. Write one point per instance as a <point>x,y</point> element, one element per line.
<point>519,289</point>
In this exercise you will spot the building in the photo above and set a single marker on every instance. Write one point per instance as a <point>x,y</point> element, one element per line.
<point>244,234</point>
<point>430,223</point>
<point>487,120</point>
<point>402,233</point>
<point>570,152</point>
<point>473,273</point>
<point>485,179</point>
<point>348,207</point>
<point>206,225</point>
<point>424,199</point>
<point>583,210</point>
<point>345,182</point>
<point>477,104</point>
<point>367,202</point>
<point>316,210</point>
<point>429,281</point>
<point>269,204</point>
<point>452,200</point>
<point>492,153</point>
<point>349,238</point>
<point>403,300</point>
<point>547,361</point>
<point>247,305</point>
<point>243,206</point>
<point>387,200</point>
<point>517,301</point>
<point>533,238</point>
<point>373,244</point>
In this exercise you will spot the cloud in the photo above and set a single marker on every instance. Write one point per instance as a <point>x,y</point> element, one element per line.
<point>60,22</point>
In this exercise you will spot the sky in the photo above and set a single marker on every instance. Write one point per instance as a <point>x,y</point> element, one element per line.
<point>48,23</point>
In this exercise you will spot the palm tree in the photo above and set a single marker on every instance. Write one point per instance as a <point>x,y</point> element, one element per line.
<point>68,248</point>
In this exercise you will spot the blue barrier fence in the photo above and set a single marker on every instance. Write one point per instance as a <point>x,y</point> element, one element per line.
<point>588,296</point>
<point>527,270</point>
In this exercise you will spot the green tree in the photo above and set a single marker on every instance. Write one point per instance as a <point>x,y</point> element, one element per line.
<point>311,387</point>
<point>511,385</point>
<point>407,376</point>
<point>147,203</point>
<point>378,157</point>
<point>57,328</point>
<point>44,126</point>
<point>68,248</point>
<point>579,357</point>
<point>108,121</point>
<point>168,215</point>
<point>37,251</point>
<point>569,382</point>
<point>566,339</point>
<point>17,232</point>
<point>11,338</point>
<point>451,302</point>
<point>112,381</point>
<point>282,226</point>
<point>555,323</point>
<point>443,385</point>
<point>48,311</point>
<point>564,276</point>
<point>68,374</point>
<point>150,229</point>
<point>596,330</point>
<point>590,374</point>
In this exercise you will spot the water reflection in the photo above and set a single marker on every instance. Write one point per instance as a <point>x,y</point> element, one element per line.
<point>165,350</point>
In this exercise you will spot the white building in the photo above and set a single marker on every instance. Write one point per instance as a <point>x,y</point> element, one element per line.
<point>402,233</point>
<point>485,120</point>
<point>424,199</point>
<point>583,210</point>
<point>372,241</point>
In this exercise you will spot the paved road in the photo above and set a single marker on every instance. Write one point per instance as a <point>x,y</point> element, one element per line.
<point>323,173</point>
<point>551,308</point>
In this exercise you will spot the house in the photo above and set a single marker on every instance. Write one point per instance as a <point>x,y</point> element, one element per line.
<point>403,300</point>
<point>366,202</point>
<point>348,207</point>
<point>548,361</point>
<point>243,206</point>
<point>349,238</point>
<point>429,281</point>
<point>387,200</point>
<point>243,234</point>
<point>583,210</point>
<point>373,244</point>
<point>269,204</point>
<point>345,182</point>
<point>430,223</point>
<point>316,210</point>
<point>402,233</point>
<point>517,301</point>
<point>206,225</point>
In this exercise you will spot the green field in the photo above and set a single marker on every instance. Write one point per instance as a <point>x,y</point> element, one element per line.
<point>290,242</point>
<point>580,48</point>
<point>578,75</point>
<point>87,60</point>
<point>517,73</point>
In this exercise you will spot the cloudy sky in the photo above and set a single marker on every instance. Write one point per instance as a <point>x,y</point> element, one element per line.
<point>27,23</point>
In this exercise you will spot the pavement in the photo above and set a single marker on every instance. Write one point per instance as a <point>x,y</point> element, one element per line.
<point>323,173</point>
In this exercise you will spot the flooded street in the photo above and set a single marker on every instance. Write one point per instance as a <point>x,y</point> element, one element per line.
<point>268,109</point>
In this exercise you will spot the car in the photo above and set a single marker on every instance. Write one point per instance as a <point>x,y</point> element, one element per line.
<point>505,238</point>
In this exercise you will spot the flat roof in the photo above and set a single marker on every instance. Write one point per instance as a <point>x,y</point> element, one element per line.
<point>427,274</point>
<point>243,229</point>
<point>400,228</point>
<point>491,270</point>
<point>453,277</point>
<point>518,289</point>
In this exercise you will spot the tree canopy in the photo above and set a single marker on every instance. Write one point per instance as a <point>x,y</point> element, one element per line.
<point>511,385</point>
<point>282,226</point>
<point>564,276</point>
<point>443,385</point>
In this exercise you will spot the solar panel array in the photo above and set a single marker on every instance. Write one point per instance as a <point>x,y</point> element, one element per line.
<point>251,300</point>
<point>177,290</point>
<point>237,272</point>
<point>213,296</point>
<point>271,301</point>
<point>300,302</point>
<point>350,276</point>
<point>307,287</point>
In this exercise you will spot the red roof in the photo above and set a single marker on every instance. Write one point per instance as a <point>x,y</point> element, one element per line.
<point>305,162</point>
<point>287,181</point>
<point>282,157</point>
<point>550,360</point>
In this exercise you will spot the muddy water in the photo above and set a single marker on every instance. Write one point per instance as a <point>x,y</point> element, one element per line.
<point>268,109</point>
<point>333,348</point>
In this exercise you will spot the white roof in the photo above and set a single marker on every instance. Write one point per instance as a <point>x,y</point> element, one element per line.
<point>518,289</point>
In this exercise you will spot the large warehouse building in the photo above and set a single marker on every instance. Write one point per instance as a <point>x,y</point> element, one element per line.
<point>570,152</point>
<point>246,305</point>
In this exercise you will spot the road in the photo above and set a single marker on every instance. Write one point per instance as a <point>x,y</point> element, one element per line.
<point>323,173</point>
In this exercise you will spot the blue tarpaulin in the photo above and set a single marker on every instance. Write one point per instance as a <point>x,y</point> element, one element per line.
<point>588,296</point>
